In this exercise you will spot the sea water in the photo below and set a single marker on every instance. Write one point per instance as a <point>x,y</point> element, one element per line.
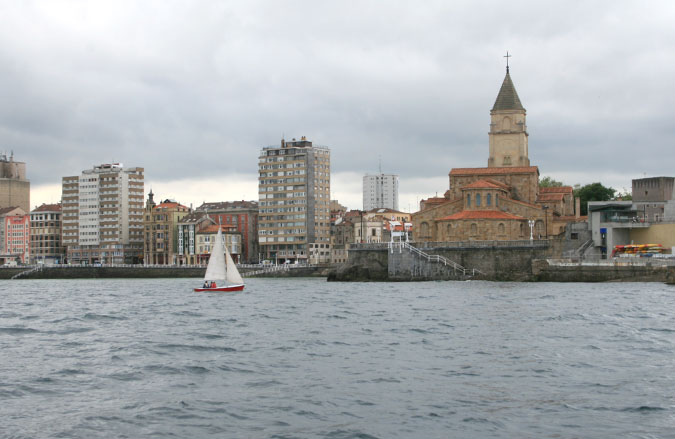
<point>304,358</point>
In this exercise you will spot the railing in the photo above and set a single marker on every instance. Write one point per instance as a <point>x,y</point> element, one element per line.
<point>433,258</point>
<point>27,272</point>
<point>613,262</point>
<point>524,243</point>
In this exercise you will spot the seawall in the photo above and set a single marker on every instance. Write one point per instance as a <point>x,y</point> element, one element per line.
<point>142,272</point>
<point>543,271</point>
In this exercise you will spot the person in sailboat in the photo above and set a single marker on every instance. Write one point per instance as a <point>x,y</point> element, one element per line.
<point>213,284</point>
<point>206,284</point>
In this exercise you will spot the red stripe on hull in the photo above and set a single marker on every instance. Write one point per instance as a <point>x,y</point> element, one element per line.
<point>232,288</point>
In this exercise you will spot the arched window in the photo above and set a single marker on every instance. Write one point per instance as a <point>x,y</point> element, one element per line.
<point>489,199</point>
<point>424,230</point>
<point>477,200</point>
<point>501,228</point>
<point>539,229</point>
<point>496,200</point>
<point>468,200</point>
<point>522,229</point>
<point>449,230</point>
<point>474,229</point>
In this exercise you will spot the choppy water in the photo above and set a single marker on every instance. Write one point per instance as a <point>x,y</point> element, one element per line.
<point>303,358</point>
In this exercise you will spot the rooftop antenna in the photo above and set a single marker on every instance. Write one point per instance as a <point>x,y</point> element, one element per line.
<point>507,56</point>
<point>379,158</point>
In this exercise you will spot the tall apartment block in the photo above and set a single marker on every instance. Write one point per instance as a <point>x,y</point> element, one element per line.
<point>102,219</point>
<point>380,191</point>
<point>294,200</point>
<point>14,187</point>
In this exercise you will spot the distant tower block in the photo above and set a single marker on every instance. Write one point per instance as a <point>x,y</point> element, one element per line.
<point>14,187</point>
<point>508,129</point>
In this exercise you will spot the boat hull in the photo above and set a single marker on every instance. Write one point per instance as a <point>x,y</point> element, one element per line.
<point>220,289</point>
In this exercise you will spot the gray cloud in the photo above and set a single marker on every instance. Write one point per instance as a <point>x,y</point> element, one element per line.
<point>195,89</point>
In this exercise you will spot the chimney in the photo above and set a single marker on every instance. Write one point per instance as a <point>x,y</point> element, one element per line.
<point>577,207</point>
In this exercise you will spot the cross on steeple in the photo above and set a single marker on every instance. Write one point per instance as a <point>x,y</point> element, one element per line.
<point>507,56</point>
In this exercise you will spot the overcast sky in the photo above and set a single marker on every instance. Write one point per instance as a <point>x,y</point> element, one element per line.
<point>191,90</point>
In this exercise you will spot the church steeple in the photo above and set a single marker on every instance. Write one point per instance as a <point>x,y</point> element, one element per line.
<point>508,130</point>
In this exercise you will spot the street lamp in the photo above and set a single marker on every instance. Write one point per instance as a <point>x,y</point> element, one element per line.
<point>531,224</point>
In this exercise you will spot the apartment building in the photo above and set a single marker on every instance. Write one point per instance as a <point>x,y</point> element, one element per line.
<point>232,239</point>
<point>102,219</point>
<point>14,235</point>
<point>160,222</point>
<point>380,191</point>
<point>294,200</point>
<point>243,215</point>
<point>188,228</point>
<point>45,235</point>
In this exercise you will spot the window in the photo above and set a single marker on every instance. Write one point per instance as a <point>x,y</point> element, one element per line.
<point>477,200</point>
<point>474,229</point>
<point>489,200</point>
<point>468,200</point>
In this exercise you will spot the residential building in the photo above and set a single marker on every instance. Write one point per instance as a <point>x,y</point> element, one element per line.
<point>14,235</point>
<point>102,220</point>
<point>14,187</point>
<point>294,200</point>
<point>380,191</point>
<point>45,235</point>
<point>232,239</point>
<point>161,231</point>
<point>243,215</point>
<point>187,252</point>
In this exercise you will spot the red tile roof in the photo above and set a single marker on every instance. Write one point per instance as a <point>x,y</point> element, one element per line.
<point>495,171</point>
<point>556,190</point>
<point>48,208</point>
<point>169,205</point>
<point>482,214</point>
<point>551,197</point>
<point>483,184</point>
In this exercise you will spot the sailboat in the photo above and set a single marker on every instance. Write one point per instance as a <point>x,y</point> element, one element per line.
<point>221,272</point>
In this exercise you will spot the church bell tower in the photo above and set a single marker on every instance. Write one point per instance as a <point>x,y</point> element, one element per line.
<point>508,130</point>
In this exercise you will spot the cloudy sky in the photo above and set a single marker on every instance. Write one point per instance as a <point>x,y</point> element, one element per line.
<point>191,90</point>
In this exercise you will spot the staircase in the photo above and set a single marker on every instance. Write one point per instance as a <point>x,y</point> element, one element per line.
<point>410,263</point>
<point>27,272</point>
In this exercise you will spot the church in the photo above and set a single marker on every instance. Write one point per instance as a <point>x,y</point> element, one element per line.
<point>502,201</point>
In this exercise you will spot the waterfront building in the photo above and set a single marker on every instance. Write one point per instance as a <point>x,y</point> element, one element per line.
<point>651,196</point>
<point>45,235</point>
<point>232,238</point>
<point>243,215</point>
<point>102,219</point>
<point>498,202</point>
<point>380,191</point>
<point>14,235</point>
<point>294,200</point>
<point>646,219</point>
<point>160,222</point>
<point>187,252</point>
<point>14,187</point>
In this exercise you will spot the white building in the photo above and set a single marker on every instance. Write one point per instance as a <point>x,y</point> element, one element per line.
<point>294,201</point>
<point>380,191</point>
<point>102,219</point>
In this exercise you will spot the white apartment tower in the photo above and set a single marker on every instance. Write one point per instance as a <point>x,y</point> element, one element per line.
<point>294,201</point>
<point>380,191</point>
<point>102,217</point>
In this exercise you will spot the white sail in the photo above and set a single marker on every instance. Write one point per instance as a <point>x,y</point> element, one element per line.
<point>215,270</point>
<point>233,276</point>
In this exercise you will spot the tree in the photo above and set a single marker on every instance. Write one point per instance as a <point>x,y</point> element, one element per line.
<point>593,192</point>
<point>549,182</point>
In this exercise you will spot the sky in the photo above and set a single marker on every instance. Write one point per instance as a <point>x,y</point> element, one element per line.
<point>192,90</point>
